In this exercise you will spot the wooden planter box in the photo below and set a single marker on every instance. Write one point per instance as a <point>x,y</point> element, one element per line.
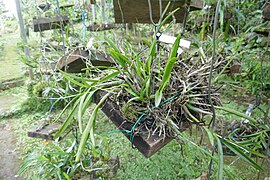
<point>75,62</point>
<point>137,11</point>
<point>146,145</point>
<point>43,24</point>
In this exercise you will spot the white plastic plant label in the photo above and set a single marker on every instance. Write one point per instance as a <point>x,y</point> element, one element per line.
<point>179,51</point>
<point>170,40</point>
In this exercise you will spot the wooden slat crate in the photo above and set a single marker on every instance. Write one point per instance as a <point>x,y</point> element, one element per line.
<point>146,145</point>
<point>131,11</point>
<point>43,24</point>
<point>75,62</point>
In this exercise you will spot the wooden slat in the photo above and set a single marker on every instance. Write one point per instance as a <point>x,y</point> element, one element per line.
<point>147,146</point>
<point>76,61</point>
<point>66,6</point>
<point>43,24</point>
<point>44,131</point>
<point>131,11</point>
<point>103,27</point>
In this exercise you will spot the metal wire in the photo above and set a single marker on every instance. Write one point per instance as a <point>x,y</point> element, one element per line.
<point>187,8</point>
<point>44,59</point>
<point>213,120</point>
<point>84,24</point>
<point>62,31</point>
<point>121,11</point>
<point>151,13</point>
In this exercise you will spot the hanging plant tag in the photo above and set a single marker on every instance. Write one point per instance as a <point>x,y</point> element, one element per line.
<point>179,51</point>
<point>170,40</point>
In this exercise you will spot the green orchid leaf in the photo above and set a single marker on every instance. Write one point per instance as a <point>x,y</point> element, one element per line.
<point>241,153</point>
<point>165,79</point>
<point>237,113</point>
<point>220,158</point>
<point>69,119</point>
<point>89,130</point>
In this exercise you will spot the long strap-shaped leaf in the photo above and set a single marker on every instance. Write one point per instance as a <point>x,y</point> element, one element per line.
<point>152,54</point>
<point>165,79</point>
<point>237,113</point>
<point>69,119</point>
<point>235,148</point>
<point>168,70</point>
<point>119,58</point>
<point>72,78</point>
<point>232,111</point>
<point>85,101</point>
<point>175,47</point>
<point>211,137</point>
<point>89,130</point>
<point>220,158</point>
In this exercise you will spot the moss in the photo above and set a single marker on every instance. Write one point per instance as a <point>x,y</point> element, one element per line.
<point>39,88</point>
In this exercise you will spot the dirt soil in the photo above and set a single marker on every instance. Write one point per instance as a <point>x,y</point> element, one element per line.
<point>10,68</point>
<point>9,162</point>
